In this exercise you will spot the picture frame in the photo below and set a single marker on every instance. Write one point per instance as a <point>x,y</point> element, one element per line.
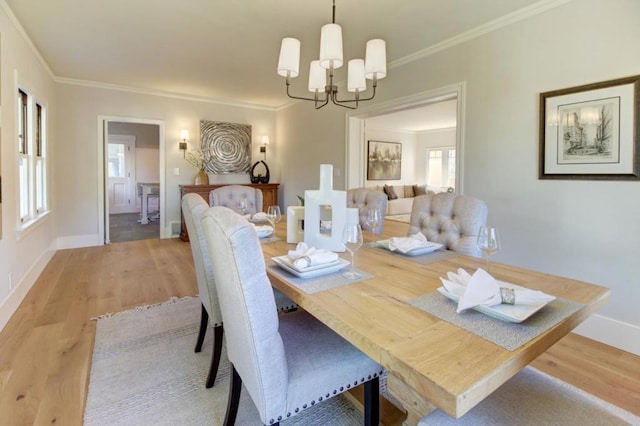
<point>384,160</point>
<point>590,132</point>
<point>226,147</point>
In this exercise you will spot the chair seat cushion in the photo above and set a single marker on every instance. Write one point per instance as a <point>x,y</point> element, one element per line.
<point>306,341</point>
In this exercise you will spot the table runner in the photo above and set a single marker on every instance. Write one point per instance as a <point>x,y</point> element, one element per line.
<point>505,334</point>
<point>317,284</point>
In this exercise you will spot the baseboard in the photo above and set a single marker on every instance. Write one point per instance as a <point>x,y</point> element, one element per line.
<point>9,305</point>
<point>77,241</point>
<point>611,332</point>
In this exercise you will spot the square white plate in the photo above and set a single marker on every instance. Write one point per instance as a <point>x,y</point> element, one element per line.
<point>430,247</point>
<point>264,233</point>
<point>312,271</point>
<point>504,312</point>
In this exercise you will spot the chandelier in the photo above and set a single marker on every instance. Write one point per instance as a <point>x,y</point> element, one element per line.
<point>373,67</point>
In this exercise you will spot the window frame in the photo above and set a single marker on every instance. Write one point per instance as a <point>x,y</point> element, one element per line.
<point>445,165</point>
<point>31,157</point>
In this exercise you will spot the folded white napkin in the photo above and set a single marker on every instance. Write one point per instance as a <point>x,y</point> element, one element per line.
<point>260,217</point>
<point>482,289</point>
<point>304,256</point>
<point>406,244</point>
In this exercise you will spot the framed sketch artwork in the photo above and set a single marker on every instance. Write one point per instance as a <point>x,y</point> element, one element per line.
<point>591,131</point>
<point>384,160</point>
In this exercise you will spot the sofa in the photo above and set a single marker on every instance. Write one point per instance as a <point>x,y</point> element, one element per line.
<point>400,197</point>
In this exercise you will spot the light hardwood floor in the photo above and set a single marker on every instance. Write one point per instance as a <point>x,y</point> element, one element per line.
<point>46,348</point>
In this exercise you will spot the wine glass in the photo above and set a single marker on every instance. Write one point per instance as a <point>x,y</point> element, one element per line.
<point>352,240</point>
<point>488,242</point>
<point>242,205</point>
<point>273,216</point>
<point>373,221</point>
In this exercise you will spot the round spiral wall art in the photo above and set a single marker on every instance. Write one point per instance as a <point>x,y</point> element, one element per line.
<point>226,147</point>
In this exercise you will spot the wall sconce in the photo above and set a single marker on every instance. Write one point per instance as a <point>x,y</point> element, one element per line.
<point>184,135</point>
<point>263,147</point>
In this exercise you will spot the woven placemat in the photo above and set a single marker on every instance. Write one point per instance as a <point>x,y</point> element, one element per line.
<point>317,284</point>
<point>427,258</point>
<point>505,334</point>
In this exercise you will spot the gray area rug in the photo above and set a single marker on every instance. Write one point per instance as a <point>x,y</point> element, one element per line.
<point>144,372</point>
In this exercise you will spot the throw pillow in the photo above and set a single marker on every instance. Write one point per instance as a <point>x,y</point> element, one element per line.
<point>409,192</point>
<point>420,189</point>
<point>391,193</point>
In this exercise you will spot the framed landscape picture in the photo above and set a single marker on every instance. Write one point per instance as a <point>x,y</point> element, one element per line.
<point>384,160</point>
<point>591,131</point>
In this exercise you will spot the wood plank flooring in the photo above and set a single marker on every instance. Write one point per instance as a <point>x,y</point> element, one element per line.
<point>46,348</point>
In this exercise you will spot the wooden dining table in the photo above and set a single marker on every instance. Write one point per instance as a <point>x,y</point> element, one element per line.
<point>431,363</point>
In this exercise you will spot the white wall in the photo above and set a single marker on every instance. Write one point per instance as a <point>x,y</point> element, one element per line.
<point>21,260</point>
<point>81,106</point>
<point>408,166</point>
<point>586,230</point>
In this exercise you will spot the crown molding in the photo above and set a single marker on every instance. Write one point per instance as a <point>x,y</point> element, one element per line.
<point>161,93</point>
<point>503,21</point>
<point>18,26</point>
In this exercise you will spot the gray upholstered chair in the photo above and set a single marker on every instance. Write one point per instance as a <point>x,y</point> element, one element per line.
<point>286,363</point>
<point>193,206</point>
<point>230,195</point>
<point>365,199</point>
<point>450,219</point>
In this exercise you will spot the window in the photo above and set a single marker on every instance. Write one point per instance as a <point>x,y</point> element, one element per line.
<point>441,167</point>
<point>32,165</point>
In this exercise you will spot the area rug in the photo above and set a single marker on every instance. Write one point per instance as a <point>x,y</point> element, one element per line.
<point>144,372</point>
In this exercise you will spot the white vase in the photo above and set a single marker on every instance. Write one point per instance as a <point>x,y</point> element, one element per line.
<point>328,206</point>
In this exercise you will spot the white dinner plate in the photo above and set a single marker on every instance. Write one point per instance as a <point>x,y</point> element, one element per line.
<point>312,271</point>
<point>264,233</point>
<point>430,247</point>
<point>504,312</point>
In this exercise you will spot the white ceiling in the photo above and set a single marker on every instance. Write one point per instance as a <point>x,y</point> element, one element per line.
<point>226,51</point>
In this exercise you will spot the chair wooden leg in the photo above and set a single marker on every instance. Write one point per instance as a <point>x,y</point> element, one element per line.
<point>234,398</point>
<point>215,357</point>
<point>204,322</point>
<point>372,402</point>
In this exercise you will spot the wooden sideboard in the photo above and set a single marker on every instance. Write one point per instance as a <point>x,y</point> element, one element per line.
<point>269,198</point>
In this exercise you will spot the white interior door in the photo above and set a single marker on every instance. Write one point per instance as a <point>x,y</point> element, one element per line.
<point>121,187</point>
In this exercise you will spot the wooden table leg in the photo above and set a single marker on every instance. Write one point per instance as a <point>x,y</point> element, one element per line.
<point>415,404</point>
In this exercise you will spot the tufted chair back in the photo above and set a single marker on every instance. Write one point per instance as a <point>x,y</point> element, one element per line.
<point>365,199</point>
<point>230,195</point>
<point>450,219</point>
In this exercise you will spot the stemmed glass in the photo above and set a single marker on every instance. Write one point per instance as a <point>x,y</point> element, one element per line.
<point>273,216</point>
<point>242,205</point>
<point>373,221</point>
<point>352,240</point>
<point>488,242</point>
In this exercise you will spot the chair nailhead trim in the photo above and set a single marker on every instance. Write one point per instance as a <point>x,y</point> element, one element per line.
<point>327,395</point>
<point>289,414</point>
<point>297,409</point>
<point>341,388</point>
<point>348,385</point>
<point>304,406</point>
<point>271,421</point>
<point>335,391</point>
<point>320,399</point>
<point>279,418</point>
<point>313,403</point>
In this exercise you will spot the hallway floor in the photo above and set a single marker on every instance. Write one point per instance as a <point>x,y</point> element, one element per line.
<point>125,227</point>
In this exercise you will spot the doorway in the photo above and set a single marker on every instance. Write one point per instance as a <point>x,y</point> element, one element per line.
<point>132,174</point>
<point>356,148</point>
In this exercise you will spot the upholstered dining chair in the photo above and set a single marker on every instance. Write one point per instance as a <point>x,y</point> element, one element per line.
<point>193,206</point>
<point>365,199</point>
<point>450,219</point>
<point>287,363</point>
<point>230,195</point>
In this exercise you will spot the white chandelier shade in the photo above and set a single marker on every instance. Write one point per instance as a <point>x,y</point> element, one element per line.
<point>373,67</point>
